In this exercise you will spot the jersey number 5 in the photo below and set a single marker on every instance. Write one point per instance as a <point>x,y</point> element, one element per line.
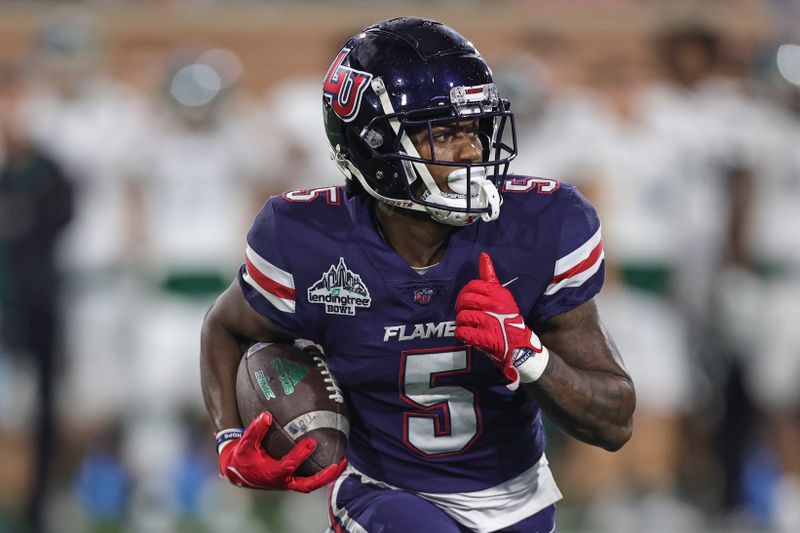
<point>331,195</point>
<point>446,419</point>
<point>540,185</point>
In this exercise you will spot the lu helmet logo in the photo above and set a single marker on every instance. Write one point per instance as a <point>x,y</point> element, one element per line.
<point>344,87</point>
<point>340,290</point>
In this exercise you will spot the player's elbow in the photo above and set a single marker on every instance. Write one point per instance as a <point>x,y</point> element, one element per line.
<point>621,431</point>
<point>616,438</point>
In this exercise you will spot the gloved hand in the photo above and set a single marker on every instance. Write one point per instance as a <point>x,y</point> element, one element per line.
<point>244,462</point>
<point>488,318</point>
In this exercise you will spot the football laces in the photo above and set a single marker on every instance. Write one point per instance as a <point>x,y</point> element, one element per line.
<point>332,387</point>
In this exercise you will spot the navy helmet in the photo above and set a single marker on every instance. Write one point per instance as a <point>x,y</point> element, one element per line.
<point>403,75</point>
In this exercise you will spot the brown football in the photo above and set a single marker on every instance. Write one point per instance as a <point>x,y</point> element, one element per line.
<point>296,387</point>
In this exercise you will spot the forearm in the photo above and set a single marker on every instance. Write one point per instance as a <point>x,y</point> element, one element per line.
<point>595,407</point>
<point>229,327</point>
<point>220,354</point>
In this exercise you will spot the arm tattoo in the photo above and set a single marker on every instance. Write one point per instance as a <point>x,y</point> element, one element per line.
<point>585,389</point>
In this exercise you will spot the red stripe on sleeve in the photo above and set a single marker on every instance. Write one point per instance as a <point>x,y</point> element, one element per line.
<point>583,265</point>
<point>268,284</point>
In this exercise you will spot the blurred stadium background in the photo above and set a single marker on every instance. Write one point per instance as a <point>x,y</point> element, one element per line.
<point>137,138</point>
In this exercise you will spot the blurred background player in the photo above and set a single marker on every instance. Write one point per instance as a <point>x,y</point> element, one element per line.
<point>772,379</point>
<point>702,111</point>
<point>89,124</point>
<point>35,206</point>
<point>627,172</point>
<point>200,178</point>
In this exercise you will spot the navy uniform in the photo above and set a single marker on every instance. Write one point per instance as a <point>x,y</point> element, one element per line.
<point>429,415</point>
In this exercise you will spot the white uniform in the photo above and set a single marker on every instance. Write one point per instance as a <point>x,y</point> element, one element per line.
<point>774,374</point>
<point>639,196</point>
<point>709,128</point>
<point>196,186</point>
<point>93,135</point>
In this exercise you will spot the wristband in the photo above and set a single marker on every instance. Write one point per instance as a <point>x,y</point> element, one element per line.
<point>530,365</point>
<point>225,436</point>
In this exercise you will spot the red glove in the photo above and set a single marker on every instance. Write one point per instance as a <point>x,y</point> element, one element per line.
<point>488,318</point>
<point>244,462</point>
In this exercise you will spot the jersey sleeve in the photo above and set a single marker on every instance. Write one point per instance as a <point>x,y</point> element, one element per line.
<point>579,269</point>
<point>266,276</point>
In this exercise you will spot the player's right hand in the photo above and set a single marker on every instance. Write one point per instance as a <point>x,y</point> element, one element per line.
<point>487,317</point>
<point>244,462</point>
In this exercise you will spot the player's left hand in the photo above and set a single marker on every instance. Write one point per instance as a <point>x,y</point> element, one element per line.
<point>488,318</point>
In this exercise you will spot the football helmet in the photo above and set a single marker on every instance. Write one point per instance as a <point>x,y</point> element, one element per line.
<point>403,75</point>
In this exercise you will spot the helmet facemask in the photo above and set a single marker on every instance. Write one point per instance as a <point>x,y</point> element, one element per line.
<point>474,184</point>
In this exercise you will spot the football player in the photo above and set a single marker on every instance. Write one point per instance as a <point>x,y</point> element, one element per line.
<point>454,302</point>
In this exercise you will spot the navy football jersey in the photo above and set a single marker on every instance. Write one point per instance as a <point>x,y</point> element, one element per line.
<point>428,413</point>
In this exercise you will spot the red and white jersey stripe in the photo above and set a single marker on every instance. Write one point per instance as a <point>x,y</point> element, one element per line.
<point>274,284</point>
<point>576,267</point>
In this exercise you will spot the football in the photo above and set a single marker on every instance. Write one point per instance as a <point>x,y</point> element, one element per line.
<point>295,386</point>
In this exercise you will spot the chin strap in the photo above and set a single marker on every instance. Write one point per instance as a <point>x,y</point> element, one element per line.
<point>493,200</point>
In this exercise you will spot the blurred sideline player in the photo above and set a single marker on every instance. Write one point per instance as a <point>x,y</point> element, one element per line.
<point>35,206</point>
<point>705,116</point>
<point>88,123</point>
<point>637,195</point>
<point>423,297</point>
<point>772,378</point>
<point>198,168</point>
<point>703,113</point>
